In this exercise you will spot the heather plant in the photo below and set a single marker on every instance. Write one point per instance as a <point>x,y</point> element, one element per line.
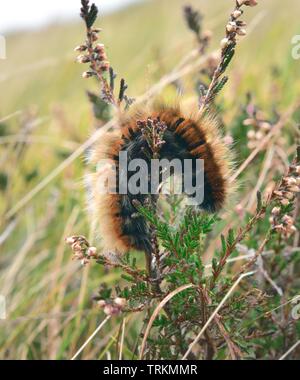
<point>224,309</point>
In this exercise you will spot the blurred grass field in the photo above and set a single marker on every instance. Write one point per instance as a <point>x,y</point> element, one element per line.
<point>49,307</point>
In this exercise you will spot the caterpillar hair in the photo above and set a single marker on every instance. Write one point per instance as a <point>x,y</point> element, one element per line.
<point>120,227</point>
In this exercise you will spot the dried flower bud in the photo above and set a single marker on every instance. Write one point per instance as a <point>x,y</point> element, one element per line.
<point>101,57</point>
<point>76,247</point>
<point>236,14</point>
<point>225,42</point>
<point>87,74</point>
<point>92,251</point>
<point>248,122</point>
<point>241,23</point>
<point>289,195</point>
<point>100,48</point>
<point>251,134</point>
<point>294,189</point>
<point>284,202</point>
<point>288,219</point>
<point>108,309</point>
<point>265,126</point>
<point>95,37</point>
<point>101,304</point>
<point>251,145</point>
<point>120,302</point>
<point>105,66</point>
<point>279,227</point>
<point>259,135</point>
<point>276,211</point>
<point>241,32</point>
<point>290,181</point>
<point>251,3</point>
<point>70,240</point>
<point>293,229</point>
<point>231,27</point>
<point>80,48</point>
<point>83,59</point>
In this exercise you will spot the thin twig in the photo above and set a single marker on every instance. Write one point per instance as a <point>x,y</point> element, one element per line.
<point>290,350</point>
<point>122,339</point>
<point>91,337</point>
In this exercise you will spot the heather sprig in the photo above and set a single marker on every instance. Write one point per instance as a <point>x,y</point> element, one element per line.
<point>153,132</point>
<point>194,20</point>
<point>93,53</point>
<point>234,28</point>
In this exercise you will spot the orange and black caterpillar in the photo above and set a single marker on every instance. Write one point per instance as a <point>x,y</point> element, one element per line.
<point>121,230</point>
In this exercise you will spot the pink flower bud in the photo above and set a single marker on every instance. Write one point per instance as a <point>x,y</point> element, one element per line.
<point>111,310</point>
<point>92,251</point>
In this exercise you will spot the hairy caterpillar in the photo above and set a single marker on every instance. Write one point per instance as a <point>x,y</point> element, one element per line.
<point>121,229</point>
